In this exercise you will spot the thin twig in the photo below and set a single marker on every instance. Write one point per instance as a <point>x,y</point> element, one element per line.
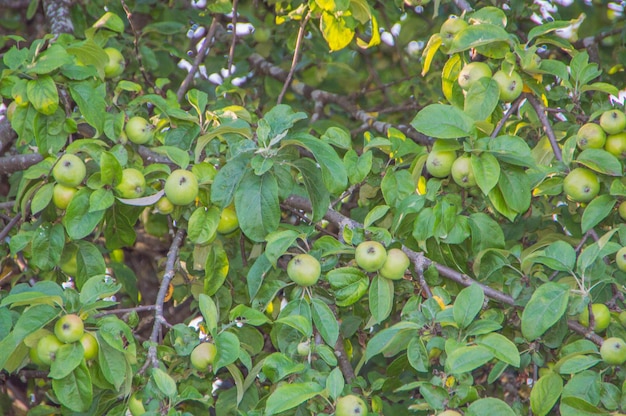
<point>10,226</point>
<point>233,42</point>
<point>547,127</point>
<point>296,58</point>
<point>514,106</point>
<point>125,310</point>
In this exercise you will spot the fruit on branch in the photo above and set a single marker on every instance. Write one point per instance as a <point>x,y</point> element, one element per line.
<point>203,356</point>
<point>472,72</point>
<point>450,28</point>
<point>396,264</point>
<point>370,255</point>
<point>70,170</point>
<point>350,405</point>
<point>616,145</point>
<point>613,351</point>
<point>304,269</point>
<point>620,259</point>
<point>47,348</point>
<point>181,187</point>
<point>228,221</point>
<point>590,136</point>
<point>138,130</point>
<point>510,85</point>
<point>581,185</point>
<point>164,206</point>
<point>69,328</point>
<point>601,317</point>
<point>132,185</point>
<point>304,348</point>
<point>90,346</point>
<point>135,405</point>
<point>463,173</point>
<point>622,210</point>
<point>439,163</point>
<point>613,121</point>
<point>62,195</point>
<point>116,63</point>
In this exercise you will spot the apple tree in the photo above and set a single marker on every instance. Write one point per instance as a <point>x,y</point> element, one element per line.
<point>320,207</point>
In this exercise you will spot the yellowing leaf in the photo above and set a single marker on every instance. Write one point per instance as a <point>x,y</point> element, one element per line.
<point>336,33</point>
<point>434,43</point>
<point>375,40</point>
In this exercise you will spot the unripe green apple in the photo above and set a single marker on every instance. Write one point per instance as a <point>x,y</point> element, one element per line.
<point>463,173</point>
<point>47,348</point>
<point>590,136</point>
<point>69,328</point>
<point>450,28</point>
<point>396,264</point>
<point>350,405</point>
<point>135,405</point>
<point>304,348</point>
<point>622,210</point>
<point>181,187</point>
<point>620,259</point>
<point>62,195</point>
<point>439,163</point>
<point>133,184</point>
<point>164,206</point>
<point>613,351</point>
<point>116,64</point>
<point>304,269</point>
<point>616,145</point>
<point>139,130</point>
<point>472,72</point>
<point>203,356</point>
<point>613,121</point>
<point>510,85</point>
<point>622,318</point>
<point>370,255</point>
<point>70,170</point>
<point>601,317</point>
<point>581,185</point>
<point>228,221</point>
<point>90,346</point>
<point>449,413</point>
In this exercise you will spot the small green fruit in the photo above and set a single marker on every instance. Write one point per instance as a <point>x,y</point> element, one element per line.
<point>116,64</point>
<point>47,348</point>
<point>133,184</point>
<point>138,130</point>
<point>228,221</point>
<point>70,170</point>
<point>463,173</point>
<point>90,346</point>
<point>203,356</point>
<point>613,121</point>
<point>304,269</point>
<point>620,259</point>
<point>62,195</point>
<point>601,317</point>
<point>581,185</point>
<point>439,163</point>
<point>510,85</point>
<point>622,210</point>
<point>616,145</point>
<point>181,187</point>
<point>350,405</point>
<point>69,328</point>
<point>472,72</point>
<point>396,264</point>
<point>370,255</point>
<point>613,351</point>
<point>590,136</point>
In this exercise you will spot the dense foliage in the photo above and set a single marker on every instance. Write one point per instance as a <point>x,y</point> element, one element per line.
<point>292,207</point>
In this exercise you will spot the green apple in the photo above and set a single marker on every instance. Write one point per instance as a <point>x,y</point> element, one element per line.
<point>601,317</point>
<point>439,163</point>
<point>581,185</point>
<point>228,221</point>
<point>510,85</point>
<point>590,136</point>
<point>181,187</point>
<point>304,348</point>
<point>135,405</point>
<point>62,195</point>
<point>203,356</point>
<point>396,264</point>
<point>450,28</point>
<point>472,72</point>
<point>70,170</point>
<point>350,405</point>
<point>261,35</point>
<point>370,255</point>
<point>47,348</point>
<point>164,206</point>
<point>463,173</point>
<point>613,121</point>
<point>69,328</point>
<point>304,269</point>
<point>90,346</point>
<point>620,259</point>
<point>449,413</point>
<point>622,318</point>
<point>613,351</point>
<point>616,145</point>
<point>622,210</point>
<point>139,130</point>
<point>116,64</point>
<point>132,185</point>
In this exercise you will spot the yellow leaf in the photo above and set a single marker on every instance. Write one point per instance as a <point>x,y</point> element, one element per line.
<point>375,40</point>
<point>434,43</point>
<point>334,30</point>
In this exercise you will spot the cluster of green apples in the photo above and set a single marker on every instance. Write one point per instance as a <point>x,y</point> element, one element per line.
<point>68,329</point>
<point>372,256</point>
<point>613,349</point>
<point>582,184</point>
<point>442,162</point>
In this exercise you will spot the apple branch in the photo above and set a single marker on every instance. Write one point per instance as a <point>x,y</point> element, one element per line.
<point>547,127</point>
<point>296,57</point>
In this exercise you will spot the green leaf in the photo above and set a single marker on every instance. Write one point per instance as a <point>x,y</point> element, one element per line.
<point>277,366</point>
<point>90,98</point>
<point>228,347</point>
<point>176,155</point>
<point>601,161</point>
<point>325,321</point>
<point>248,315</point>
<point>42,198</point>
<point>597,210</point>
<point>417,354</point>
<point>89,262</point>
<point>209,312</point>
<point>380,299</point>
<point>333,171</point>
<point>397,185</point>
<point>164,382</point>
<point>216,269</point>
<point>335,383</point>
<point>227,126</point>
<point>203,223</point>
<point>256,203</point>
<point>79,222</point>
<point>481,99</point>
<point>297,322</point>
<point>468,303</point>
<point>474,36</point>
<point>486,170</point>
<point>67,358</point>
<point>110,169</point>
<point>75,391</point>
<point>467,358</point>
<point>511,149</point>
<point>544,309</point>
<point>485,232</point>
<point>312,178</point>
<point>278,243</point>
<point>43,95</point>
<point>489,406</point>
<point>577,363</point>
<point>275,123</point>
<point>501,347</point>
<point>443,122</point>
<point>256,274</point>
<point>111,21</point>
<point>358,166</point>
<point>337,137</point>
<point>391,340</point>
<point>546,393</point>
<point>290,395</point>
<point>348,283</point>
<point>47,245</point>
